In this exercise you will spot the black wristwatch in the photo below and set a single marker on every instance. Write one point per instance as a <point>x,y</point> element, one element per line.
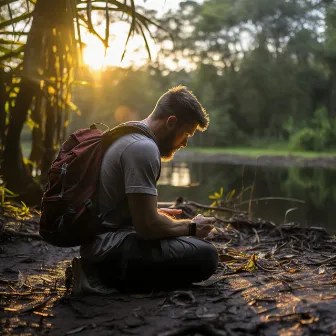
<point>192,229</point>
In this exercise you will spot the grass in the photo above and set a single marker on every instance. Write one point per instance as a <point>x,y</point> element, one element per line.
<point>274,149</point>
<point>256,152</point>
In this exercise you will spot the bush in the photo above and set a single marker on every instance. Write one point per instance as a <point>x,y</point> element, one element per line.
<point>305,139</point>
<point>318,135</point>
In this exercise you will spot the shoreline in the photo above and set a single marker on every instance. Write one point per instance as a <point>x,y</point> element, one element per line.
<point>262,160</point>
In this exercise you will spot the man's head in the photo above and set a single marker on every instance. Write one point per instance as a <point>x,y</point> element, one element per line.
<point>176,117</point>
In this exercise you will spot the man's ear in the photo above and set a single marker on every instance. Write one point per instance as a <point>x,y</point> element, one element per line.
<point>171,122</point>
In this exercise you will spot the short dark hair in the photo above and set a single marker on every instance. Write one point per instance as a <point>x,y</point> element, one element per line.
<point>182,103</point>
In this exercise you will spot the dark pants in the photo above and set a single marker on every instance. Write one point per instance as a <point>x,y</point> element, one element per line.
<point>134,264</point>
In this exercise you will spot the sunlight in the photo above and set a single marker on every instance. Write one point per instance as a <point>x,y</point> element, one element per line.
<point>94,53</point>
<point>136,54</point>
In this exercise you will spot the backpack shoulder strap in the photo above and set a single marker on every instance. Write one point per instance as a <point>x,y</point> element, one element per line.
<point>130,127</point>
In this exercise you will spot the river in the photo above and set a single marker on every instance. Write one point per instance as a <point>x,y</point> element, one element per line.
<point>196,181</point>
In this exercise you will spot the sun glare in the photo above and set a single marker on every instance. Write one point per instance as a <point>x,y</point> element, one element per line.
<point>94,52</point>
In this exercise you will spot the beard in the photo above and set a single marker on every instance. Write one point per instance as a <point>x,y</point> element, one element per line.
<point>166,147</point>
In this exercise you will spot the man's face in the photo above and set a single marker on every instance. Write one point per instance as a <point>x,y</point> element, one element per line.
<point>176,138</point>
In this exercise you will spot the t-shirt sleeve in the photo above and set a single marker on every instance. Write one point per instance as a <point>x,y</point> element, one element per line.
<point>141,166</point>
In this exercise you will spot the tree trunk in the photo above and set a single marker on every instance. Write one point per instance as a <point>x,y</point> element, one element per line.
<point>15,172</point>
<point>2,108</point>
<point>48,54</point>
<point>37,133</point>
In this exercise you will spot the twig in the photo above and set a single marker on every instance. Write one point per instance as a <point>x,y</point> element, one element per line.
<point>263,268</point>
<point>30,307</point>
<point>208,207</point>
<point>15,233</point>
<point>332,258</point>
<point>271,199</point>
<point>226,221</point>
<point>257,236</point>
<point>251,194</point>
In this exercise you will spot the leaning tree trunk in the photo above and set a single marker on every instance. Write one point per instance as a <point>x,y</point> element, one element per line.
<point>49,59</point>
<point>15,173</point>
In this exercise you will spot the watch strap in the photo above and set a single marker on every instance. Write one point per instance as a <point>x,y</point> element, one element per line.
<point>192,229</point>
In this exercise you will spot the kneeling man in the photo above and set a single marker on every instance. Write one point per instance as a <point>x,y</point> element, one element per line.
<point>140,246</point>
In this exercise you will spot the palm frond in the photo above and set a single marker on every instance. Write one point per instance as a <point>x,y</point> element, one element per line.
<point>107,29</point>
<point>13,33</point>
<point>145,40</point>
<point>89,14</point>
<point>12,53</point>
<point>11,15</point>
<point>132,28</point>
<point>17,19</point>
<point>7,2</point>
<point>78,31</point>
<point>9,42</point>
<point>92,31</point>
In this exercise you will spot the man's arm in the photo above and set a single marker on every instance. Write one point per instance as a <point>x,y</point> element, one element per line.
<point>149,224</point>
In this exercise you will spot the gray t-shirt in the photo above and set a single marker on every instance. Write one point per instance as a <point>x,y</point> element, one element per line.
<point>131,165</point>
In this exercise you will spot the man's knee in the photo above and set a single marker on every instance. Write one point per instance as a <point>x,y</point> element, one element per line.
<point>208,256</point>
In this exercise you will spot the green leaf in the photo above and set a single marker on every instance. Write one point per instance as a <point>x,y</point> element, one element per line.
<point>12,53</point>
<point>145,39</point>
<point>10,42</point>
<point>17,19</point>
<point>231,194</point>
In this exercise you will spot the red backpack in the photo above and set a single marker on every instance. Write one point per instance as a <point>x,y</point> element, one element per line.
<point>69,214</point>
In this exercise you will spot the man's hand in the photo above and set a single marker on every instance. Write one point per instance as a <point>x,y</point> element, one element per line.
<point>170,212</point>
<point>203,225</point>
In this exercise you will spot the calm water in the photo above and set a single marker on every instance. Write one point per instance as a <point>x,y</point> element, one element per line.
<point>315,186</point>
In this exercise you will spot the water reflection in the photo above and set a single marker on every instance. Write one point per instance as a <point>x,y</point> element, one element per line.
<point>175,174</point>
<point>316,186</point>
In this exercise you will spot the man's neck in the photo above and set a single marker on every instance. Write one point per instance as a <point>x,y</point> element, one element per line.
<point>155,126</point>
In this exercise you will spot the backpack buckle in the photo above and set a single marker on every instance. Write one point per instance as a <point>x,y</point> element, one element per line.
<point>92,208</point>
<point>64,169</point>
<point>88,203</point>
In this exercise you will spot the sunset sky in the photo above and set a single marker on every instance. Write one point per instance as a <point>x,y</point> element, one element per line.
<point>94,53</point>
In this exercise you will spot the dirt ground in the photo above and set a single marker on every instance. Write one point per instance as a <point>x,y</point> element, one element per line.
<point>271,281</point>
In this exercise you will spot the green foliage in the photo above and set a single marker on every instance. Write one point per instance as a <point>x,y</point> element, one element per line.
<point>318,135</point>
<point>306,139</point>
<point>10,207</point>
<point>258,65</point>
<point>229,200</point>
<point>220,199</point>
<point>41,55</point>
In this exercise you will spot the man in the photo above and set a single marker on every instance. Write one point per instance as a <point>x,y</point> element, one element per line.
<point>142,247</point>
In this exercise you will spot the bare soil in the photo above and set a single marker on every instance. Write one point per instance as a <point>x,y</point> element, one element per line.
<point>272,280</point>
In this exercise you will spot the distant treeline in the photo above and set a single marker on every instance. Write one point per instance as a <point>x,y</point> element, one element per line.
<point>265,71</point>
